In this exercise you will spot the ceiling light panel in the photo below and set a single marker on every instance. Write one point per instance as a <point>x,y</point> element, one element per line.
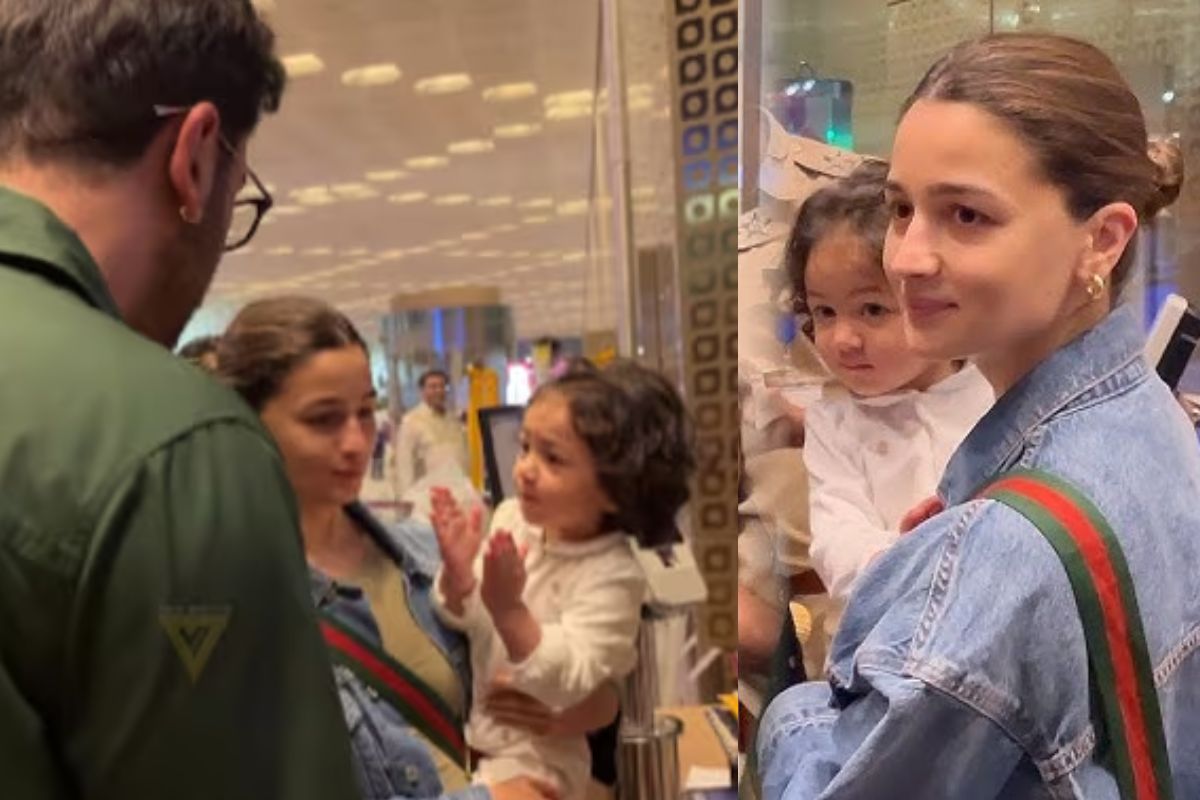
<point>452,200</point>
<point>471,147</point>
<point>496,201</point>
<point>517,130</point>
<point>386,175</point>
<point>406,198</point>
<point>444,84</point>
<point>427,162</point>
<point>507,92</point>
<point>371,75</point>
<point>303,64</point>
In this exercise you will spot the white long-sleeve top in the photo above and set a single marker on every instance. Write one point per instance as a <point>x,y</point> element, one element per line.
<point>870,460</point>
<point>587,596</point>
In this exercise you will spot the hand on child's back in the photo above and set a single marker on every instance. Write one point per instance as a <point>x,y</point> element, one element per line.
<point>523,788</point>
<point>922,511</point>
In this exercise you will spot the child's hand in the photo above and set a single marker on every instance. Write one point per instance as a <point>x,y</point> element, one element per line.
<point>459,537</point>
<point>927,508</point>
<point>503,574</point>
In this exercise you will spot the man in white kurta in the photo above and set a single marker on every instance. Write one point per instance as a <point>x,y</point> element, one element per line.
<point>430,436</point>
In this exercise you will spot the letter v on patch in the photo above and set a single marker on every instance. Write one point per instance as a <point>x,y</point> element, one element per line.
<point>194,632</point>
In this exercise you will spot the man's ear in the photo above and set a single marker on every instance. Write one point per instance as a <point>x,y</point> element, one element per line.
<point>193,161</point>
<point>1109,232</point>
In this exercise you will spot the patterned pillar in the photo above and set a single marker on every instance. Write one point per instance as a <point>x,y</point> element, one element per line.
<point>704,90</point>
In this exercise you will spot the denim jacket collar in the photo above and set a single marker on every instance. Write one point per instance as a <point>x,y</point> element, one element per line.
<point>406,552</point>
<point>1100,362</point>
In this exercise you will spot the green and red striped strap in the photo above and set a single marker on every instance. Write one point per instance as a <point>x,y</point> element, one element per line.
<point>419,704</point>
<point>1112,624</point>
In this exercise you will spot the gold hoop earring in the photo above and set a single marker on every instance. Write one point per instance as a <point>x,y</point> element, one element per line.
<point>1095,287</point>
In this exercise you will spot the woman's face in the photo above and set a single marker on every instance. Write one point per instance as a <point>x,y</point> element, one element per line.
<point>984,255</point>
<point>323,419</point>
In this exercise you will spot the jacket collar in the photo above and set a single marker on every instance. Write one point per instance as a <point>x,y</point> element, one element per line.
<point>34,240</point>
<point>1102,361</point>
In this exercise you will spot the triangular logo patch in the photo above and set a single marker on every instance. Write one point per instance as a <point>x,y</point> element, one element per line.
<point>194,633</point>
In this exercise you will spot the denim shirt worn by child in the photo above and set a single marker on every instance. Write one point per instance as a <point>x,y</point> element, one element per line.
<point>390,759</point>
<point>960,669</point>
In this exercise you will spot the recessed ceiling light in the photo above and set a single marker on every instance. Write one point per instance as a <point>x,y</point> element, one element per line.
<point>452,200</point>
<point>489,254</point>
<point>303,64</point>
<point>574,255</point>
<point>471,147</point>
<point>318,251</point>
<point>507,227</point>
<point>386,175</point>
<point>519,254</point>
<point>475,236</point>
<point>282,211</point>
<point>509,91</point>
<point>443,84</point>
<point>537,202</point>
<point>564,113</point>
<point>496,201</point>
<point>642,192</point>
<point>281,250</point>
<point>572,208</point>
<point>394,254</point>
<point>354,191</point>
<point>458,253</point>
<point>355,251</point>
<point>641,103</point>
<point>535,220</point>
<point>517,130</point>
<point>407,197</point>
<point>420,250</point>
<point>578,97</point>
<point>372,75</point>
<point>445,243</point>
<point>426,162</point>
<point>312,196</point>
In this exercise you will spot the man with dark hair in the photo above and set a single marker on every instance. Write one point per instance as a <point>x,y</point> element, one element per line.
<point>430,437</point>
<point>157,639</point>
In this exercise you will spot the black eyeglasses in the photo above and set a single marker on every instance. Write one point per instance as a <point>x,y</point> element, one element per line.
<point>248,212</point>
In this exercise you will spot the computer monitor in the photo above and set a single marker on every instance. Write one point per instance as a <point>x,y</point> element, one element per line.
<point>500,430</point>
<point>1172,339</point>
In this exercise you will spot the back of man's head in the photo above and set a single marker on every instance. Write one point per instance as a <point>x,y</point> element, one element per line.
<point>79,79</point>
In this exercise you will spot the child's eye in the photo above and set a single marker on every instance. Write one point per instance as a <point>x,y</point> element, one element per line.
<point>822,313</point>
<point>875,310</point>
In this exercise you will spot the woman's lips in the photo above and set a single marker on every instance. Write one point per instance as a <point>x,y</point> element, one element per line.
<point>923,308</point>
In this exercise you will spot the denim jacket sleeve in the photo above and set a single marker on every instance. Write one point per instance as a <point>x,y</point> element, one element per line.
<point>903,739</point>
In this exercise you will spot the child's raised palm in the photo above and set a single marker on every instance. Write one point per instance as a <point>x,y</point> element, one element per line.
<point>503,573</point>
<point>459,537</point>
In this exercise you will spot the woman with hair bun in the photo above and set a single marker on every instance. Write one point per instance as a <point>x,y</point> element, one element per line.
<point>1036,638</point>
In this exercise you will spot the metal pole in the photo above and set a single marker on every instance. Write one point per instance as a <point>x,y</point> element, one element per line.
<point>618,163</point>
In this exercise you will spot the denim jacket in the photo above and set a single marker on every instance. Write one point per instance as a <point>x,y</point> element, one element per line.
<point>391,761</point>
<point>960,669</point>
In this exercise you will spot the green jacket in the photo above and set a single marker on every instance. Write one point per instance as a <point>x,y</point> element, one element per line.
<point>157,638</point>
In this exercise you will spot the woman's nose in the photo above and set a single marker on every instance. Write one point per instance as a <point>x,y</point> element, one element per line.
<point>910,253</point>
